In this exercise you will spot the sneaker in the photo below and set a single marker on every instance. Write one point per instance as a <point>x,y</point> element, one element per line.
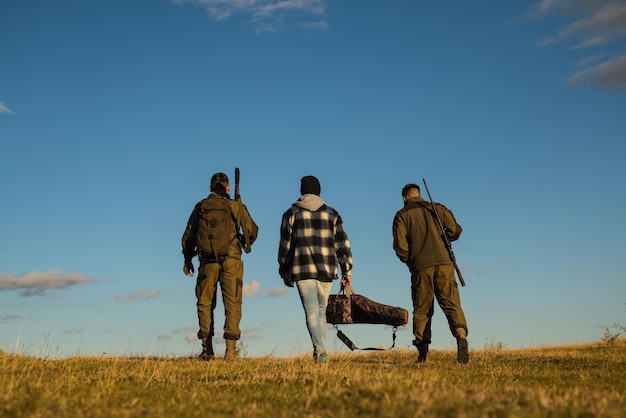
<point>462,355</point>
<point>322,359</point>
<point>422,352</point>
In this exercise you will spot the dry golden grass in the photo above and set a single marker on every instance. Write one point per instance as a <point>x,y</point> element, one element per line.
<point>569,381</point>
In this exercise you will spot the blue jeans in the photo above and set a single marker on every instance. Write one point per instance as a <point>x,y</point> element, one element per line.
<point>314,296</point>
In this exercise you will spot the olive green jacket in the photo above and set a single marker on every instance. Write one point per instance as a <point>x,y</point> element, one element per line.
<point>417,238</point>
<point>243,222</point>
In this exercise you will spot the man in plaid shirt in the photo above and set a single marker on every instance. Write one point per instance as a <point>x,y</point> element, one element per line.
<point>313,244</point>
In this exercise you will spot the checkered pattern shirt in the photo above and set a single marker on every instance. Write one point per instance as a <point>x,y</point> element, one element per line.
<point>313,244</point>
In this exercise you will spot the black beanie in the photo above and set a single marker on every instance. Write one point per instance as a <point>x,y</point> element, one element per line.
<point>310,184</point>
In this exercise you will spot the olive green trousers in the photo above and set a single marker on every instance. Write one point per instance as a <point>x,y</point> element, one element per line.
<point>426,285</point>
<point>229,275</point>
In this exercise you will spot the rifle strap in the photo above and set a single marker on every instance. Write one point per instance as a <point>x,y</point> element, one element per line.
<point>424,205</point>
<point>344,338</point>
<point>244,239</point>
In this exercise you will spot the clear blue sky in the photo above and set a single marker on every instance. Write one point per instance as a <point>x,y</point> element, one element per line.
<point>114,114</point>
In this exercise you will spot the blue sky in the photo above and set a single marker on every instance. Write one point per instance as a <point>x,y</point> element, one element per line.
<point>114,114</point>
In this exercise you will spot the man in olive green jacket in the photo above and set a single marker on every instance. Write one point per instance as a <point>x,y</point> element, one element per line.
<point>223,268</point>
<point>418,243</point>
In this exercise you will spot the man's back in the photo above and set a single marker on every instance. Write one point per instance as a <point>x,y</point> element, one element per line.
<point>417,237</point>
<point>311,232</point>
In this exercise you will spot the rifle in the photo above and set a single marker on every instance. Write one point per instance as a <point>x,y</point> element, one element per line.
<point>237,194</point>
<point>243,237</point>
<point>444,236</point>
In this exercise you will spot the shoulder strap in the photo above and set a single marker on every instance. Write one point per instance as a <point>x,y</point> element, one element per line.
<point>420,204</point>
<point>344,338</point>
<point>242,236</point>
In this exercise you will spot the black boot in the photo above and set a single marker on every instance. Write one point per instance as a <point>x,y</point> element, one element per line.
<point>422,352</point>
<point>207,350</point>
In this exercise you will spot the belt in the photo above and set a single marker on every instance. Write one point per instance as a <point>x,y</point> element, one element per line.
<point>205,259</point>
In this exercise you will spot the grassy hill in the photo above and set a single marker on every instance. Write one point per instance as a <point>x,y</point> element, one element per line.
<point>566,381</point>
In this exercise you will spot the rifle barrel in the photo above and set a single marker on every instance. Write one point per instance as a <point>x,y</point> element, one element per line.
<point>237,195</point>
<point>444,237</point>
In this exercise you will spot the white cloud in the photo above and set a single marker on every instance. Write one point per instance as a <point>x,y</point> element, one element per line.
<point>591,24</point>
<point>595,22</point>
<point>319,25</point>
<point>184,330</point>
<point>265,15</point>
<point>252,333</point>
<point>143,294</point>
<point>251,289</point>
<point>609,74</point>
<point>4,109</point>
<point>587,61</point>
<point>9,317</point>
<point>278,291</point>
<point>36,282</point>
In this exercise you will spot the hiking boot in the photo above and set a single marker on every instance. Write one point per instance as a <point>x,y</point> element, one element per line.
<point>207,350</point>
<point>462,355</point>
<point>422,352</point>
<point>206,356</point>
<point>231,350</point>
<point>322,359</point>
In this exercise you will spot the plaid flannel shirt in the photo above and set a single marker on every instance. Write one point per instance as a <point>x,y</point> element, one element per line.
<point>312,244</point>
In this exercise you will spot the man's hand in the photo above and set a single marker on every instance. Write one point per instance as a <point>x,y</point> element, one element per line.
<point>345,280</point>
<point>287,281</point>
<point>188,269</point>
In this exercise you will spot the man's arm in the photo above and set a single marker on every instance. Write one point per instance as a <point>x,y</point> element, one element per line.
<point>189,236</point>
<point>342,248</point>
<point>450,225</point>
<point>248,227</point>
<point>400,242</point>
<point>284,247</point>
<point>189,242</point>
<point>251,229</point>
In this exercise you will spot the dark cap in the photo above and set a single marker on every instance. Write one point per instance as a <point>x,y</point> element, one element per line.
<point>310,184</point>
